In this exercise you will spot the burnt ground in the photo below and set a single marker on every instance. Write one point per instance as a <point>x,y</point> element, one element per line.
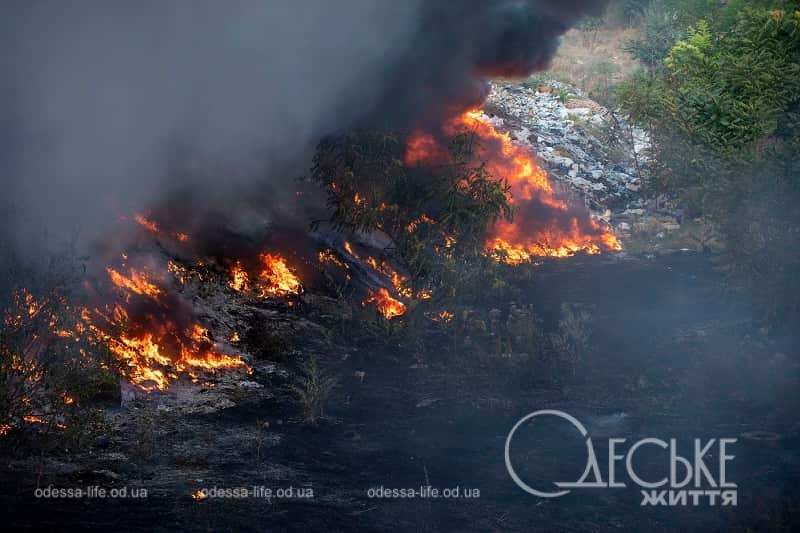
<point>672,357</point>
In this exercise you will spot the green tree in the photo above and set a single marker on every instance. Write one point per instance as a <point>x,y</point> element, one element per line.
<point>722,112</point>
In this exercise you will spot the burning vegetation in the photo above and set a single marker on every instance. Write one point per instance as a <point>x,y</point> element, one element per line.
<point>387,306</point>
<point>151,331</point>
<point>449,197</point>
<point>273,278</point>
<point>542,224</point>
<point>451,194</point>
<point>446,197</point>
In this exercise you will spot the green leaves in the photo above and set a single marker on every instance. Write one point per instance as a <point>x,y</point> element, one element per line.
<point>723,115</point>
<point>450,206</point>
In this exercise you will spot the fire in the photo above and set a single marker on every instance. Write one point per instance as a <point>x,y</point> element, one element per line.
<point>385,304</point>
<point>151,331</point>
<point>239,281</point>
<point>136,281</point>
<point>199,495</point>
<point>146,223</point>
<point>179,271</point>
<point>155,357</point>
<point>414,224</point>
<point>274,278</point>
<point>277,279</point>
<point>443,316</point>
<point>544,225</point>
<point>329,257</point>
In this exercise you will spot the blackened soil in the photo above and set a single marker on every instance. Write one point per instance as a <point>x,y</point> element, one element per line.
<point>672,356</point>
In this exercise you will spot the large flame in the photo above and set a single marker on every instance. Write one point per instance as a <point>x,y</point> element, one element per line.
<point>148,338</point>
<point>272,278</point>
<point>150,329</point>
<point>136,282</point>
<point>544,225</point>
<point>385,304</point>
<point>276,278</point>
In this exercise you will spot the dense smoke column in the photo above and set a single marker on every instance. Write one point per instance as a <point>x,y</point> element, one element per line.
<point>102,100</point>
<point>458,45</point>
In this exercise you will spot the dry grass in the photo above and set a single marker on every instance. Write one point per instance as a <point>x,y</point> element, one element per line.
<point>593,61</point>
<point>313,389</point>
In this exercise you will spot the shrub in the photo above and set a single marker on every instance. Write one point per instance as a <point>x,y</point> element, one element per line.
<point>723,113</point>
<point>313,389</point>
<point>572,341</point>
<point>49,376</point>
<point>450,207</point>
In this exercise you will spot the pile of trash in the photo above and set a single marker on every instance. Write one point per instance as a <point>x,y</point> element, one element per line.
<point>587,149</point>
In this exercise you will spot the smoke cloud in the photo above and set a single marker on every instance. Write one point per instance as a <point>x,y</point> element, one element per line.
<point>101,101</point>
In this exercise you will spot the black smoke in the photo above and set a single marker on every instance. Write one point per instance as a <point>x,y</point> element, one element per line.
<point>457,46</point>
<point>106,105</point>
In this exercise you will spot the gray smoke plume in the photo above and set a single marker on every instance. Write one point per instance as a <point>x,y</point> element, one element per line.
<point>101,99</point>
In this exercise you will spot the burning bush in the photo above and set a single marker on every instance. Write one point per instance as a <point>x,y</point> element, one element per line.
<point>49,379</point>
<point>436,216</point>
<point>450,194</point>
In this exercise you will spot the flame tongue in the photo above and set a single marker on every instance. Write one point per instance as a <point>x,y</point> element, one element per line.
<point>136,281</point>
<point>272,278</point>
<point>385,304</point>
<point>277,279</point>
<point>544,225</point>
<point>152,332</point>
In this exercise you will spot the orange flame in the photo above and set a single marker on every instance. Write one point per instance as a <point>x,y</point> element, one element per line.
<point>277,279</point>
<point>239,281</point>
<point>385,304</point>
<point>544,226</point>
<point>146,223</point>
<point>147,329</point>
<point>137,281</point>
<point>156,357</point>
